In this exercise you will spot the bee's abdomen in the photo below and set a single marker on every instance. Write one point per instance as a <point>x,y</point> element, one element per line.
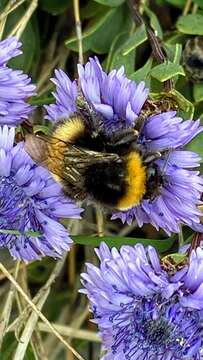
<point>120,185</point>
<point>105,182</point>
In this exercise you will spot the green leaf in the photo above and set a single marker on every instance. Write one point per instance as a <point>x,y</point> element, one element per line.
<point>117,241</point>
<point>175,258</point>
<point>111,3</point>
<point>177,53</point>
<point>54,7</point>
<point>154,22</point>
<point>29,353</point>
<point>128,61</point>
<point>199,3</point>
<point>90,10</point>
<point>102,40</point>
<point>191,24</point>
<point>175,37</point>
<point>100,33</point>
<point>118,41</point>
<point>184,105</point>
<point>41,128</point>
<point>3,4</point>
<point>116,58</point>
<point>134,40</point>
<point>186,108</point>
<point>42,100</point>
<point>196,145</point>
<point>29,39</point>
<point>143,74</point>
<point>167,71</point>
<point>198,92</point>
<point>178,3</point>
<point>173,52</point>
<point>9,346</point>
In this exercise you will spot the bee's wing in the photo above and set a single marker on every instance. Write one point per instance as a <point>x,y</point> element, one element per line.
<point>36,147</point>
<point>67,161</point>
<point>77,160</point>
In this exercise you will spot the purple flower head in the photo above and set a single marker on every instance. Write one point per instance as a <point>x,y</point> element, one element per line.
<point>181,188</point>
<point>15,86</point>
<point>9,48</point>
<point>31,204</point>
<point>119,101</point>
<point>191,277</point>
<point>112,95</point>
<point>139,308</point>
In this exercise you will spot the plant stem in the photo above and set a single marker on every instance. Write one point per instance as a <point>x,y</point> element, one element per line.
<point>38,312</point>
<point>5,316</point>
<point>187,6</point>
<point>180,237</point>
<point>76,6</point>
<point>21,25</point>
<point>153,39</point>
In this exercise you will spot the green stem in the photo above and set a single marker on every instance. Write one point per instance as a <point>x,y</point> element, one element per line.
<point>181,237</point>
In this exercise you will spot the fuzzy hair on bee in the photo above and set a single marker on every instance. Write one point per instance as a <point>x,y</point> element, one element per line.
<point>112,170</point>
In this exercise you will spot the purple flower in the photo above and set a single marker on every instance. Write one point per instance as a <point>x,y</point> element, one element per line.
<point>15,86</point>
<point>31,204</point>
<point>181,188</point>
<point>140,309</point>
<point>114,96</point>
<point>65,96</point>
<point>191,277</point>
<point>9,48</point>
<point>119,100</point>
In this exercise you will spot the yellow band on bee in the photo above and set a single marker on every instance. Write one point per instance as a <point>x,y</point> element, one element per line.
<point>69,129</point>
<point>136,182</point>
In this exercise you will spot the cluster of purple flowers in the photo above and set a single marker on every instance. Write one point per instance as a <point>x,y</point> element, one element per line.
<point>15,87</point>
<point>119,101</point>
<point>143,312</point>
<point>31,202</point>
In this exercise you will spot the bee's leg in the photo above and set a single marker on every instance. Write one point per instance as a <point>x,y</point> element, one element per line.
<point>122,137</point>
<point>150,157</point>
<point>140,122</point>
<point>153,156</point>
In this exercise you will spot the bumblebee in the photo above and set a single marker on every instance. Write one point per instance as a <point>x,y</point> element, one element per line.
<point>193,58</point>
<point>111,169</point>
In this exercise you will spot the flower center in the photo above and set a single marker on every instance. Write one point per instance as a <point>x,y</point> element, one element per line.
<point>152,328</point>
<point>16,211</point>
<point>12,203</point>
<point>157,332</point>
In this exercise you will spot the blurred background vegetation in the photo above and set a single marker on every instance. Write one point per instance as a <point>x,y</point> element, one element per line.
<point>171,64</point>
